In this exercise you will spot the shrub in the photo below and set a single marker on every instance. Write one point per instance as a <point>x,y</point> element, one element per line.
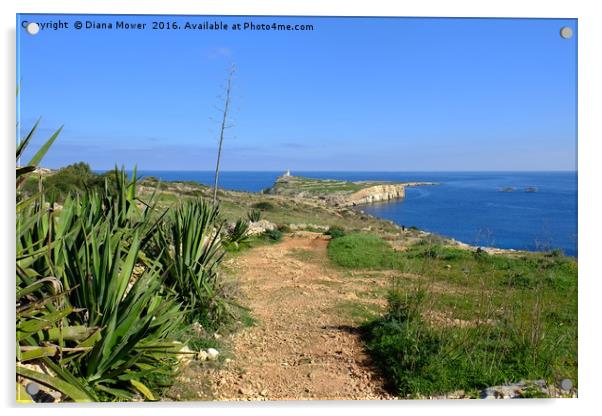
<point>75,179</point>
<point>264,206</point>
<point>402,345</point>
<point>254,215</point>
<point>284,228</point>
<point>335,231</point>
<point>272,235</point>
<point>556,253</point>
<point>69,179</point>
<point>237,235</point>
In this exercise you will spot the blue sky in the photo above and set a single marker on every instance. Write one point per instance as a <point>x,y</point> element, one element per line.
<point>384,94</point>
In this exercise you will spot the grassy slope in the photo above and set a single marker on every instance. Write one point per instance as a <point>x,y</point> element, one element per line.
<point>461,319</point>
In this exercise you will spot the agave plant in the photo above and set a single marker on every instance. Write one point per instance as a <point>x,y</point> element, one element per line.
<point>137,318</point>
<point>238,234</point>
<point>43,332</point>
<point>92,249</point>
<point>104,283</point>
<point>22,171</point>
<point>92,327</point>
<point>254,215</point>
<point>190,251</point>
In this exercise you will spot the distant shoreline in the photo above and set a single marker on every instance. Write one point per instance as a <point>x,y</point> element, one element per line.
<point>549,215</point>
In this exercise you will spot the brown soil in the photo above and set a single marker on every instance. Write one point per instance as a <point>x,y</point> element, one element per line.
<point>305,344</point>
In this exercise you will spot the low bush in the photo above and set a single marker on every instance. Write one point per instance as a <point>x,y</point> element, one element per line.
<point>403,346</point>
<point>238,234</point>
<point>335,231</point>
<point>284,228</point>
<point>254,215</point>
<point>264,206</point>
<point>75,179</point>
<point>272,235</point>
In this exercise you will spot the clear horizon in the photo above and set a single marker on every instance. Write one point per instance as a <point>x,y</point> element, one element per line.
<point>383,94</point>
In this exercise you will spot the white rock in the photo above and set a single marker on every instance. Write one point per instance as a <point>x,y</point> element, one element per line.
<point>197,328</point>
<point>261,226</point>
<point>212,354</point>
<point>202,356</point>
<point>185,354</point>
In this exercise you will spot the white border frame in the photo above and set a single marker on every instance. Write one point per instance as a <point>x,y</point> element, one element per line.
<point>590,70</point>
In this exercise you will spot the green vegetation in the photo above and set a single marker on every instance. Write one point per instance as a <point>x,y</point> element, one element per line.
<point>189,248</point>
<point>238,235</point>
<point>284,228</point>
<point>283,211</point>
<point>293,185</point>
<point>462,319</point>
<point>272,235</point>
<point>105,284</point>
<point>335,231</point>
<point>363,251</point>
<point>69,180</point>
<point>359,312</point>
<point>264,206</point>
<point>254,215</point>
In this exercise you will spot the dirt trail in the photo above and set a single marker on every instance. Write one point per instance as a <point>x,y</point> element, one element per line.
<point>302,346</point>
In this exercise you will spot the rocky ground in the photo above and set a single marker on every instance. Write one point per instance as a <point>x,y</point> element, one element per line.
<point>302,346</point>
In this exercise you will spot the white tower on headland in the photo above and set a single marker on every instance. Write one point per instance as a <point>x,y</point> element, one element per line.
<point>287,173</point>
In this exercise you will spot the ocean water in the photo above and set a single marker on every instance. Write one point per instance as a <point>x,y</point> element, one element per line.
<point>467,206</point>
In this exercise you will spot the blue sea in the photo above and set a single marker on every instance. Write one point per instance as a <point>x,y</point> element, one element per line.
<point>467,206</point>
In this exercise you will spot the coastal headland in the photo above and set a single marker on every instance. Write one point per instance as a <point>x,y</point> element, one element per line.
<point>340,193</point>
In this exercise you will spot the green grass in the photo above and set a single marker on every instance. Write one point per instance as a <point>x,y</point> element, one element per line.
<point>363,251</point>
<point>465,319</point>
<point>297,184</point>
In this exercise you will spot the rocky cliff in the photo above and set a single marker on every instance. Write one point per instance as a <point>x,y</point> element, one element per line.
<point>341,193</point>
<point>376,193</point>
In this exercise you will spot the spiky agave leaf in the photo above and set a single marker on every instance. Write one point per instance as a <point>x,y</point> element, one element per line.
<point>190,251</point>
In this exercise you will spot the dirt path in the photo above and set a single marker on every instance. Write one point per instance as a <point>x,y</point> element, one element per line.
<point>303,346</point>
